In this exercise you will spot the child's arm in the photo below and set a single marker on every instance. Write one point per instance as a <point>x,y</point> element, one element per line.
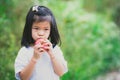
<point>58,66</point>
<point>26,73</point>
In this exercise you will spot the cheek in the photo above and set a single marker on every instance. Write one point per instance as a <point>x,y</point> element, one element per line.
<point>48,34</point>
<point>33,34</point>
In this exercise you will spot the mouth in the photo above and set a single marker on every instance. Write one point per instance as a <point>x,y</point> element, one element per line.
<point>40,39</point>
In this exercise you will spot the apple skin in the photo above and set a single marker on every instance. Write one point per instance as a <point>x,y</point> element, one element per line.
<point>39,41</point>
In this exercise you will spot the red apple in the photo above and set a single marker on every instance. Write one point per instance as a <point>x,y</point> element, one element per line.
<point>39,41</point>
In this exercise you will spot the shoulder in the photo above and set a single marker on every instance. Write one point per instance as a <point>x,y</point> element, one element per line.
<point>57,50</point>
<point>56,47</point>
<point>24,50</point>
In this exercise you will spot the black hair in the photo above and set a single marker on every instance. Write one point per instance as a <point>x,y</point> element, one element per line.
<point>39,13</point>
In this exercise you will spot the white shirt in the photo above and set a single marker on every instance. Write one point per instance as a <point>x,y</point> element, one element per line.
<point>43,69</point>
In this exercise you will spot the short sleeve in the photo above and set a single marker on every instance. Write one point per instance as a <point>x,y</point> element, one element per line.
<point>58,53</point>
<point>20,62</point>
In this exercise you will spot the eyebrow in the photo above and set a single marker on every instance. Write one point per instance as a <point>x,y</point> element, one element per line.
<point>34,26</point>
<point>38,27</point>
<point>46,27</point>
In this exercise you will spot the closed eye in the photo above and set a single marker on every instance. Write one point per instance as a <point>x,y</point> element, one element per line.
<point>46,29</point>
<point>36,28</point>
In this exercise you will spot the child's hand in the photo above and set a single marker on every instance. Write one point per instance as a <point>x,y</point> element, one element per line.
<point>42,46</point>
<point>38,50</point>
<point>47,46</point>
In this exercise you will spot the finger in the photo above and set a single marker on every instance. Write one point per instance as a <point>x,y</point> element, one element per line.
<point>46,44</point>
<point>37,46</point>
<point>41,50</point>
<point>46,48</point>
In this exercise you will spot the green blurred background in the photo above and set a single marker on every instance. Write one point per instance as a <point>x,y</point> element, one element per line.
<point>89,29</point>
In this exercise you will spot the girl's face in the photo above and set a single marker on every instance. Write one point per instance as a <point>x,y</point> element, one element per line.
<point>40,30</point>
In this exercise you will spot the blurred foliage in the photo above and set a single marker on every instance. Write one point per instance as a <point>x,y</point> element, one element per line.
<point>90,37</point>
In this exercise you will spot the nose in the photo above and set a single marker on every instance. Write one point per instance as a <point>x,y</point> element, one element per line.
<point>40,32</point>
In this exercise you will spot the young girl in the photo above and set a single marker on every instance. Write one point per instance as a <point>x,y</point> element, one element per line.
<point>40,58</point>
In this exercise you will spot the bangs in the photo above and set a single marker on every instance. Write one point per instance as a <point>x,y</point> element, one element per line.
<point>41,18</point>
